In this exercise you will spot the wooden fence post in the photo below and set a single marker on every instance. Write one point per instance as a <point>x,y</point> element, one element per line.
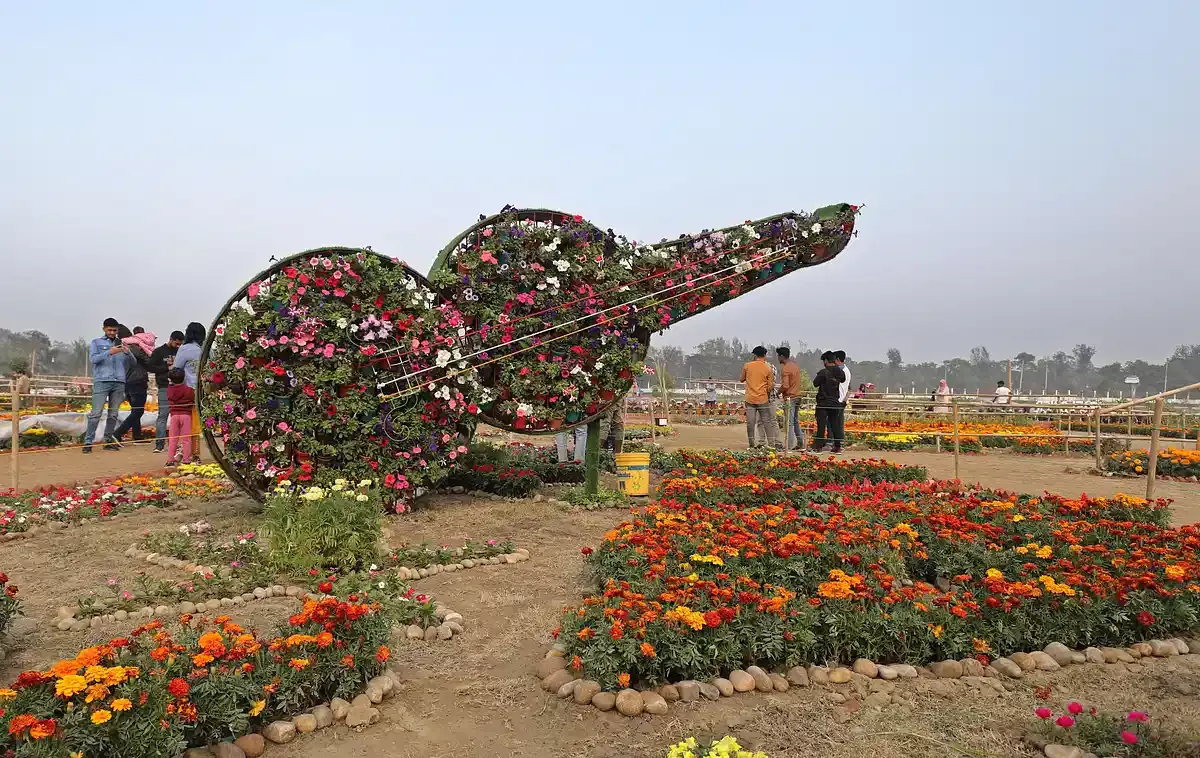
<point>1151,474</point>
<point>17,386</point>
<point>955,409</point>
<point>1098,463</point>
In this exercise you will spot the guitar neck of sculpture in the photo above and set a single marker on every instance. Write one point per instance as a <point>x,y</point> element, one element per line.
<point>695,273</point>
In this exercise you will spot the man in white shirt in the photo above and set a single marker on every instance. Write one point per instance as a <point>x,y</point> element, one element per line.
<point>844,388</point>
<point>1003,394</point>
<point>710,399</point>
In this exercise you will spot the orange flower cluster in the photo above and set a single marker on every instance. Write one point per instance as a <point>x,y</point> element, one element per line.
<point>155,692</point>
<point>905,570</point>
<point>1174,462</point>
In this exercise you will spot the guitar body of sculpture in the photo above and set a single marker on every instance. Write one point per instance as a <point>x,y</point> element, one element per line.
<point>340,362</point>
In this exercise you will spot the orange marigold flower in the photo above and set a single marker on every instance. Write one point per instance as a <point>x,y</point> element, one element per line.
<point>122,704</point>
<point>20,723</point>
<point>623,680</point>
<point>586,633</point>
<point>347,661</point>
<point>382,654</point>
<point>200,660</point>
<point>43,729</point>
<point>101,717</point>
<point>299,663</point>
<point>647,650</point>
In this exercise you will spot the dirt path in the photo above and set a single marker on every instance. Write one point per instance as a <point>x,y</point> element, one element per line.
<point>54,466</point>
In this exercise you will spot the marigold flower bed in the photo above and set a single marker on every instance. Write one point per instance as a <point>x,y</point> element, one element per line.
<point>1171,462</point>
<point>764,560</point>
<point>155,692</point>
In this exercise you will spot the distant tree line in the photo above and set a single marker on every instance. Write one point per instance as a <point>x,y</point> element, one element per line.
<point>1074,371</point>
<point>35,349</point>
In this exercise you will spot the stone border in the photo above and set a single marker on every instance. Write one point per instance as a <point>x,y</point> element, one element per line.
<point>356,714</point>
<point>450,623</point>
<point>557,678</point>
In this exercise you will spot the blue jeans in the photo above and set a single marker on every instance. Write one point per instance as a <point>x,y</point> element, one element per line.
<point>560,441</point>
<point>104,392</point>
<point>795,435</point>
<point>160,425</point>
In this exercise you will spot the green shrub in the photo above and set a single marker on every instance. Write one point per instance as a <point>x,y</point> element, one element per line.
<point>318,528</point>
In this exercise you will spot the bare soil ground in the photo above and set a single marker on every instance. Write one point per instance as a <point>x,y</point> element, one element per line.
<point>475,695</point>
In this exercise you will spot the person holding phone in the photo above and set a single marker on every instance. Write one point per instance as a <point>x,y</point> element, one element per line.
<point>110,364</point>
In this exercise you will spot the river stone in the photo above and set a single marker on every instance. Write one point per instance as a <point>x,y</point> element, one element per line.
<point>1163,649</point>
<point>121,615</point>
<point>818,675</point>
<point>547,666</point>
<point>213,604</point>
<point>710,691</point>
<point>778,683</point>
<point>1059,652</point>
<point>1008,668</point>
<point>80,625</point>
<point>361,701</point>
<point>653,703</point>
<point>280,732</point>
<point>887,672</point>
<point>360,717</point>
<point>724,686</point>
<point>1063,751</point>
<point>585,691</point>
<point>840,675</point>
<point>972,667</point>
<point>187,606</point>
<point>414,632</point>
<point>669,692</point>
<point>305,723</point>
<point>1181,646</point>
<point>906,671</point>
<point>197,752</point>
<point>568,689</point>
<point>1093,655</point>
<point>689,691</point>
<point>762,682</point>
<point>1141,650</point>
<point>374,692</point>
<point>1044,662</point>
<point>604,701</point>
<point>253,745</point>
<point>797,676</point>
<point>629,703</point>
<point>946,669</point>
<point>339,707</point>
<point>556,680</point>
<point>866,668</point>
<point>445,632</point>
<point>742,682</point>
<point>1024,660</point>
<point>384,683</point>
<point>324,716</point>
<point>431,633</point>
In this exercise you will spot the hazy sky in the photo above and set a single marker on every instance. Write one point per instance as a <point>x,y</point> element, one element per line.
<point>1025,166</point>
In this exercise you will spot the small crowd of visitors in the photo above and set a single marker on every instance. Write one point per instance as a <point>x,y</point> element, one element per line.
<point>123,360</point>
<point>766,386</point>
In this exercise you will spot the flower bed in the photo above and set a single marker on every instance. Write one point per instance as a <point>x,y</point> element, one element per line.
<point>34,439</point>
<point>1172,462</point>
<point>735,564</point>
<point>155,692</point>
<point>1141,430</point>
<point>1128,734</point>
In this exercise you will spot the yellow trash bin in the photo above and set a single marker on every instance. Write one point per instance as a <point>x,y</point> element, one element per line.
<point>633,473</point>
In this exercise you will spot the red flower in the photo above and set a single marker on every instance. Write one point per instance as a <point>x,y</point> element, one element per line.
<point>325,587</point>
<point>1044,712</point>
<point>1074,708</point>
<point>586,551</point>
<point>178,688</point>
<point>1066,722</point>
<point>1146,618</point>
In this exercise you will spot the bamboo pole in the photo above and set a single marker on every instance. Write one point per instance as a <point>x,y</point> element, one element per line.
<point>591,481</point>
<point>954,407</point>
<point>1152,473</point>
<point>1097,439</point>
<point>19,384</point>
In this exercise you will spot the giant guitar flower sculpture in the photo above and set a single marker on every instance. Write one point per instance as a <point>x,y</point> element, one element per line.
<point>341,362</point>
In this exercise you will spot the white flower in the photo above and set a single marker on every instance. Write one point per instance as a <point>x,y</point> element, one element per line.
<point>373,567</point>
<point>381,585</point>
<point>552,281</point>
<point>342,323</point>
<point>313,493</point>
<point>362,498</point>
<point>443,358</point>
<point>562,264</point>
<point>816,228</point>
<point>599,365</point>
<point>365,483</point>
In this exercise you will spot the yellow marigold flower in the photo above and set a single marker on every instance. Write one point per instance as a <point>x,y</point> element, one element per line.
<point>995,574</point>
<point>981,646</point>
<point>7,694</point>
<point>122,704</point>
<point>1045,552</point>
<point>101,717</point>
<point>96,673</point>
<point>70,685</point>
<point>257,708</point>
<point>1175,572</point>
<point>96,692</point>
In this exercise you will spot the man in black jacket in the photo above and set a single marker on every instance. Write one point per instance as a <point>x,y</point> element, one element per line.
<point>830,412</point>
<point>160,363</point>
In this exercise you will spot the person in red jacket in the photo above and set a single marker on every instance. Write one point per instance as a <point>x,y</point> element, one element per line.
<point>182,400</point>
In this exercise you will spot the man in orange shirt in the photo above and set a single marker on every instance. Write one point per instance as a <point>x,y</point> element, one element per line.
<point>760,381</point>
<point>789,388</point>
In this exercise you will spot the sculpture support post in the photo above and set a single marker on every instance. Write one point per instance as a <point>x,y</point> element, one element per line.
<point>591,460</point>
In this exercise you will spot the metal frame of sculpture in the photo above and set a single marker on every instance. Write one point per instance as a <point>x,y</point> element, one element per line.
<point>343,363</point>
